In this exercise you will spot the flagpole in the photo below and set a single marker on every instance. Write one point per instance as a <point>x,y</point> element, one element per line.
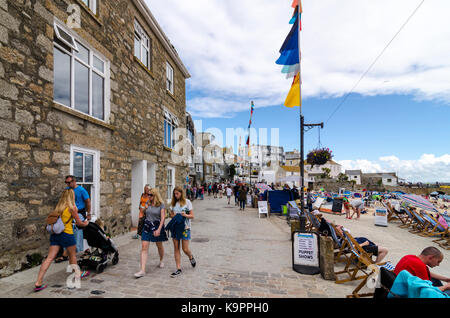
<point>302,163</point>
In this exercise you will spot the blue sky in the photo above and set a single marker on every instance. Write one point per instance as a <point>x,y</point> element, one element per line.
<point>396,119</point>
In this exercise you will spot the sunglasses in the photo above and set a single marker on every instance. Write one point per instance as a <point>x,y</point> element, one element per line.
<point>68,182</point>
<point>150,195</point>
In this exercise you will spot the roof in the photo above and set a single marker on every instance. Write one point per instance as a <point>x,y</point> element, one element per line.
<point>291,168</point>
<point>353,172</point>
<point>332,162</point>
<point>150,19</point>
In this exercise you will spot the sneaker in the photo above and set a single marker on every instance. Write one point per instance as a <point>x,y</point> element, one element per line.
<point>193,262</point>
<point>161,265</point>
<point>175,274</point>
<point>139,274</point>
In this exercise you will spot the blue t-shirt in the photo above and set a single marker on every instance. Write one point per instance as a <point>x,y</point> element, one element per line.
<point>81,195</point>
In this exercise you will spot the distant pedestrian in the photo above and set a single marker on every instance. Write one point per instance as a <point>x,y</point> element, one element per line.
<point>181,208</point>
<point>143,201</point>
<point>242,197</point>
<point>68,211</point>
<point>154,231</point>
<point>236,195</point>
<point>229,192</point>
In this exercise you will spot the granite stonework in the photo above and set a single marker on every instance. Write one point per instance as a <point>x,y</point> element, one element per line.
<point>36,134</point>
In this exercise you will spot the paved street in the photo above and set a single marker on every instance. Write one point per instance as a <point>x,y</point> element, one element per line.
<point>238,255</point>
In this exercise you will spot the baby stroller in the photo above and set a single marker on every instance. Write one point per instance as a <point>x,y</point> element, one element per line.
<point>105,250</point>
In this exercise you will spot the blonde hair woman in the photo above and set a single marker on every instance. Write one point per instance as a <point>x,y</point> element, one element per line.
<point>68,210</point>
<point>153,230</point>
<point>181,205</point>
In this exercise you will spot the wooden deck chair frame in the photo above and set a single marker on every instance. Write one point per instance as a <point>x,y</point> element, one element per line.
<point>409,221</point>
<point>356,262</point>
<point>341,253</point>
<point>435,228</point>
<point>393,214</point>
<point>420,225</point>
<point>314,221</point>
<point>445,245</point>
<point>364,260</point>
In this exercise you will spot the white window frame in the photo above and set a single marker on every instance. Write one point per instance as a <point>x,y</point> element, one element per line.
<point>143,37</point>
<point>92,5</point>
<point>95,193</point>
<point>170,124</point>
<point>170,186</point>
<point>105,74</point>
<point>169,77</point>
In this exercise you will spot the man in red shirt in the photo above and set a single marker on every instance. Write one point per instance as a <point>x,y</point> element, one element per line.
<point>418,266</point>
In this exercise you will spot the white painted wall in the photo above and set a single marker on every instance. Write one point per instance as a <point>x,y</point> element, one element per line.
<point>138,181</point>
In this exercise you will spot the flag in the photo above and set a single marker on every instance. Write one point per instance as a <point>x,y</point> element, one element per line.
<point>294,97</point>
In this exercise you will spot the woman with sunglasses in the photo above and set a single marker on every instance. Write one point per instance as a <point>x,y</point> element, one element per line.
<point>153,231</point>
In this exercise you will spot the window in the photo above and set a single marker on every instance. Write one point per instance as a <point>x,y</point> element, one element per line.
<point>389,180</point>
<point>170,124</point>
<point>170,182</point>
<point>91,4</point>
<point>84,165</point>
<point>81,77</point>
<point>142,45</point>
<point>169,77</point>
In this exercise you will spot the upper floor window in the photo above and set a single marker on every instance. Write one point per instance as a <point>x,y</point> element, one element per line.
<point>91,4</point>
<point>81,76</point>
<point>169,77</point>
<point>142,45</point>
<point>170,124</point>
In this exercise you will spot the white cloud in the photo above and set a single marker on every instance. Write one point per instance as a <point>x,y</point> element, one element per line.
<point>230,48</point>
<point>428,168</point>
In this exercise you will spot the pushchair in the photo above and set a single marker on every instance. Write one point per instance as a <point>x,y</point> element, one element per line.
<point>105,250</point>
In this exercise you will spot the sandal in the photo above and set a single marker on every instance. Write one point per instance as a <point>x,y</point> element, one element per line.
<point>39,288</point>
<point>61,259</point>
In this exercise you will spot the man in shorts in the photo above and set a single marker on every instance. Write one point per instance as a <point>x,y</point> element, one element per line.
<point>357,206</point>
<point>229,193</point>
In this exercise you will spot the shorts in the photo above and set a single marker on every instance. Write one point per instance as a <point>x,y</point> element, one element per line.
<point>186,236</point>
<point>373,249</point>
<point>64,240</point>
<point>149,237</point>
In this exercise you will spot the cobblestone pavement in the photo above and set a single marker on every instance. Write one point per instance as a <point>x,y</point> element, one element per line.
<point>238,255</point>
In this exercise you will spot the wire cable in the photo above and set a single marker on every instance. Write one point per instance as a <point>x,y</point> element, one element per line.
<point>374,62</point>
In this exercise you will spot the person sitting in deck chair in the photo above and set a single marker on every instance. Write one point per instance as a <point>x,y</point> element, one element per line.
<point>370,247</point>
<point>418,266</point>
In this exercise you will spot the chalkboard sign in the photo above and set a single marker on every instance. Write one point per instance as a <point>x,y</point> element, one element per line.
<point>337,205</point>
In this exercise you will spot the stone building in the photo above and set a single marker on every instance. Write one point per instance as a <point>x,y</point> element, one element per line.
<point>90,88</point>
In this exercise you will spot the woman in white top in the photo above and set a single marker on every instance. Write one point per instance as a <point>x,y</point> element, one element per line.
<point>183,206</point>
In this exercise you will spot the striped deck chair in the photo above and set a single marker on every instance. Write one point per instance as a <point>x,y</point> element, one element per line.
<point>435,228</point>
<point>409,221</point>
<point>394,215</point>
<point>341,250</point>
<point>421,223</point>
<point>314,221</point>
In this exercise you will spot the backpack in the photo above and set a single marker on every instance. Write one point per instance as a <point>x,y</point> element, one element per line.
<point>55,225</point>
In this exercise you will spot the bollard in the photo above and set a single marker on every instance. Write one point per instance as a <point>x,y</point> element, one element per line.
<point>295,226</point>
<point>302,219</point>
<point>327,258</point>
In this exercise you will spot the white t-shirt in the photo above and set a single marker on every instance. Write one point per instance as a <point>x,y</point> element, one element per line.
<point>185,208</point>
<point>229,192</point>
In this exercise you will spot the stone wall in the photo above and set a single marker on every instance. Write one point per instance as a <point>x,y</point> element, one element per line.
<point>36,133</point>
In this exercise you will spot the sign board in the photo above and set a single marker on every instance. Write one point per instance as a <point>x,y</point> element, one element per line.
<point>381,217</point>
<point>305,253</point>
<point>337,205</point>
<point>249,199</point>
<point>318,203</point>
<point>341,191</point>
<point>262,208</point>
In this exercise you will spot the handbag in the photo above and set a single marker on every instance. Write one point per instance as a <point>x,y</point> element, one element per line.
<point>140,225</point>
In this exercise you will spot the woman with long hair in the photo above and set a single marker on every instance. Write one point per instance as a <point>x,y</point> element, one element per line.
<point>181,205</point>
<point>153,231</point>
<point>68,211</point>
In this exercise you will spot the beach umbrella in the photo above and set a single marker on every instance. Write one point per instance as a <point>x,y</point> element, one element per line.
<point>263,187</point>
<point>417,201</point>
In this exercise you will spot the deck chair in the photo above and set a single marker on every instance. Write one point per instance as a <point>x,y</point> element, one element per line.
<point>435,228</point>
<point>445,244</point>
<point>420,225</point>
<point>341,249</point>
<point>394,215</point>
<point>409,219</point>
<point>359,261</point>
<point>314,221</point>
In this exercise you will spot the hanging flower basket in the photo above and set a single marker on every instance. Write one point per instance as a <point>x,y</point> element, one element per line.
<point>319,156</point>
